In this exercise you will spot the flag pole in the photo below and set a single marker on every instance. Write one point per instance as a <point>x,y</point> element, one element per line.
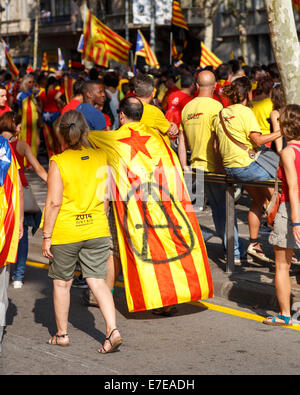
<point>171,42</point>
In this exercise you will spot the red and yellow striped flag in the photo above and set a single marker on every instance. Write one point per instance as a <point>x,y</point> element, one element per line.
<point>101,43</point>
<point>29,128</point>
<point>45,66</point>
<point>177,16</point>
<point>144,49</point>
<point>10,63</point>
<point>68,83</point>
<point>208,58</point>
<point>162,252</point>
<point>296,4</point>
<point>9,204</point>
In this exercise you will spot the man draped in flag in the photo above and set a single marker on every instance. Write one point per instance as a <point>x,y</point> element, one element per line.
<point>11,222</point>
<point>162,252</point>
<point>144,49</point>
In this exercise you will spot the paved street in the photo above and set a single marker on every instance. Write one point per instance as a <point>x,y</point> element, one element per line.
<point>197,340</point>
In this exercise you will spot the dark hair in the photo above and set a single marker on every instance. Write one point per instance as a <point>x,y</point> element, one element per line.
<point>235,64</point>
<point>132,107</point>
<point>7,122</point>
<point>289,121</point>
<point>77,87</point>
<point>278,98</point>
<point>143,85</point>
<point>111,78</point>
<point>88,86</point>
<point>238,90</point>
<point>272,69</point>
<point>223,71</point>
<point>73,127</point>
<point>187,79</point>
<point>264,85</point>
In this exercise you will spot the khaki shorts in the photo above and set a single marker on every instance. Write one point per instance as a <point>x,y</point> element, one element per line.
<point>92,256</point>
<point>282,233</point>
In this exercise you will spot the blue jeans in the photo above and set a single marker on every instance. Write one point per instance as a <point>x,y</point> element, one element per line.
<point>20,265</point>
<point>216,196</point>
<point>253,172</point>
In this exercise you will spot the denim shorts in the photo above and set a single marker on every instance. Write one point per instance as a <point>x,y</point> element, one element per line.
<point>253,172</point>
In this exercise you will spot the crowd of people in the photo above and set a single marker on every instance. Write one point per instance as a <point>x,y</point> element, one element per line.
<point>215,120</point>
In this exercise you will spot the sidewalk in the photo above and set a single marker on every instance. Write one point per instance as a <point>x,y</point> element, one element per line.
<point>252,284</point>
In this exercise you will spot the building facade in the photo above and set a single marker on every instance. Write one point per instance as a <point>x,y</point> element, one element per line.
<point>60,26</point>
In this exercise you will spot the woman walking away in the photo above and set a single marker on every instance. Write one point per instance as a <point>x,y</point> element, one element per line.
<point>76,227</point>
<point>10,126</point>
<point>285,236</point>
<point>237,122</point>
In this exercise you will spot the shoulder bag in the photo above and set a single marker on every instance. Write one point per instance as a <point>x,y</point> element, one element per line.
<point>263,156</point>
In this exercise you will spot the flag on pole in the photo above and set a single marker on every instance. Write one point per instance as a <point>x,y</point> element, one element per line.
<point>175,54</point>
<point>296,4</point>
<point>45,66</point>
<point>208,58</point>
<point>101,43</point>
<point>144,49</point>
<point>80,43</point>
<point>9,60</point>
<point>61,62</point>
<point>162,252</point>
<point>9,204</point>
<point>177,16</point>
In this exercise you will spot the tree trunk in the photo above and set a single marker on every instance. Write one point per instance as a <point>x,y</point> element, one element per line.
<point>285,46</point>
<point>209,34</point>
<point>243,40</point>
<point>36,33</point>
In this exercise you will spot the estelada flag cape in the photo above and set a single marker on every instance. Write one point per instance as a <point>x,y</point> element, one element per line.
<point>9,204</point>
<point>29,128</point>
<point>162,252</point>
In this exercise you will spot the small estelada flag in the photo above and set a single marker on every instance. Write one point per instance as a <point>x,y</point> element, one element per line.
<point>44,66</point>
<point>163,255</point>
<point>177,16</point>
<point>208,58</point>
<point>9,203</point>
<point>144,49</point>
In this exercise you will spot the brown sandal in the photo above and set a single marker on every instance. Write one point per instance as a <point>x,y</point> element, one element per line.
<point>114,345</point>
<point>53,340</point>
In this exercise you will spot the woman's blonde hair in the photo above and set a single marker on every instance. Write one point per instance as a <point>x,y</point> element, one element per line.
<point>289,121</point>
<point>23,85</point>
<point>73,129</point>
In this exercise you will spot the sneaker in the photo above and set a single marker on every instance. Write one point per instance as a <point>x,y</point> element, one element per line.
<point>79,282</point>
<point>17,284</point>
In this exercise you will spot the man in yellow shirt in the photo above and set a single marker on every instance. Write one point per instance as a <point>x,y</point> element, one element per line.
<point>197,134</point>
<point>152,115</point>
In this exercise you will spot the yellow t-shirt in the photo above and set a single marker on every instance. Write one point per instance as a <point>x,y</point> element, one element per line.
<point>81,216</point>
<point>154,117</point>
<point>262,110</point>
<point>240,122</point>
<point>196,120</point>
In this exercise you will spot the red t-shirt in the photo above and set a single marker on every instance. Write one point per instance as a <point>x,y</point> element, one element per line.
<point>281,175</point>
<point>107,119</point>
<point>49,103</point>
<point>71,106</point>
<point>176,102</point>
<point>164,102</point>
<point>5,109</point>
<point>218,93</point>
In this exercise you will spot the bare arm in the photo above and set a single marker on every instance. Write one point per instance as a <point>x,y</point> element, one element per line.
<point>25,150</point>
<point>276,127</point>
<point>260,139</point>
<point>182,147</point>
<point>52,206</point>
<point>21,194</point>
<point>288,161</point>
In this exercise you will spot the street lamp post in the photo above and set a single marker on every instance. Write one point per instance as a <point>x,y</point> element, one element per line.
<point>152,26</point>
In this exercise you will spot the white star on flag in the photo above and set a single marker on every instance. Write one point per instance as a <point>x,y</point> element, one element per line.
<point>3,156</point>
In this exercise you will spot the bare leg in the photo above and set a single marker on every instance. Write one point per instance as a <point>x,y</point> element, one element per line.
<point>105,302</point>
<point>113,270</point>
<point>61,301</point>
<point>283,258</point>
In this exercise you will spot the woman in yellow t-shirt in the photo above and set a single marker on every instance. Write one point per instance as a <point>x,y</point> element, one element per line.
<point>76,227</point>
<point>243,126</point>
